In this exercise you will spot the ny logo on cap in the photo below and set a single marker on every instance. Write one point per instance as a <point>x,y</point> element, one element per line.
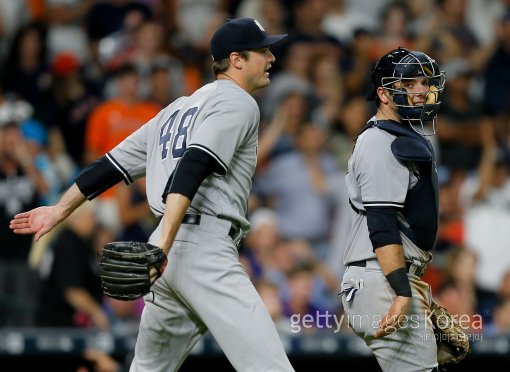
<point>259,25</point>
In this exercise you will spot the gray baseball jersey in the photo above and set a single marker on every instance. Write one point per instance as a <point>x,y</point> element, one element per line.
<point>216,112</point>
<point>376,177</point>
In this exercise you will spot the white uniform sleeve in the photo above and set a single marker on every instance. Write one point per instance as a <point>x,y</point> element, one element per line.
<point>383,179</point>
<point>225,129</point>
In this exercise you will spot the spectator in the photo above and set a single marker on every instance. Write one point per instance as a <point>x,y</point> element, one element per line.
<point>501,319</point>
<point>270,13</point>
<point>71,294</point>
<point>481,17</point>
<point>116,118</point>
<point>459,120</point>
<point>21,186</point>
<point>294,78</point>
<point>308,17</point>
<point>25,70</point>
<point>423,19</point>
<point>393,31</point>
<point>193,20</point>
<point>300,185</point>
<point>461,303</point>
<point>460,268</point>
<point>278,134</point>
<point>107,17</point>
<point>13,14</point>
<point>280,263</point>
<point>495,309</point>
<point>452,38</point>
<point>356,76</point>
<point>66,33</point>
<point>161,90</point>
<point>497,71</point>
<point>299,300</point>
<point>270,295</point>
<point>110,26</point>
<point>36,138</point>
<point>109,124</point>
<point>148,51</point>
<point>258,247</point>
<point>342,23</point>
<point>124,316</point>
<point>266,257</point>
<point>73,99</point>
<point>327,81</point>
<point>486,198</point>
<point>351,119</point>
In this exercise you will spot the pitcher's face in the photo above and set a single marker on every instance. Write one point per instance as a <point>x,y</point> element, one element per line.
<point>257,68</point>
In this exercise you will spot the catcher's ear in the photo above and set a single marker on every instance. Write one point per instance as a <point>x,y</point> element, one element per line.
<point>382,94</point>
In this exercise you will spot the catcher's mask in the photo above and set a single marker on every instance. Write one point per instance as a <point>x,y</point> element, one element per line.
<point>400,65</point>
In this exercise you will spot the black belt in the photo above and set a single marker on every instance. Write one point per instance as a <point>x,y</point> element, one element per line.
<point>363,263</point>
<point>194,219</point>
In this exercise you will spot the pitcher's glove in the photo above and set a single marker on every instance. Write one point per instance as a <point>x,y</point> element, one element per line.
<point>452,341</point>
<point>125,269</point>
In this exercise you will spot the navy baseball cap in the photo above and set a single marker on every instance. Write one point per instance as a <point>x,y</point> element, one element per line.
<point>237,35</point>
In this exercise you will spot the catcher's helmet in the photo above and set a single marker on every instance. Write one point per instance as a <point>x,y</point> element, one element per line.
<point>402,64</point>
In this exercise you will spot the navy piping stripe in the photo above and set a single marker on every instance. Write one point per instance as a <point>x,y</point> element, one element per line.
<point>119,167</point>
<point>210,152</point>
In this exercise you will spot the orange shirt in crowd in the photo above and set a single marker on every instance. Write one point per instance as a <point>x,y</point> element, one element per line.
<point>111,122</point>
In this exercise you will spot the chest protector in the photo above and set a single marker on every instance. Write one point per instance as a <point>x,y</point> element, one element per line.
<point>421,207</point>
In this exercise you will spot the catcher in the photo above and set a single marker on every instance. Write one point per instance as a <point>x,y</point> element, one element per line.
<point>393,191</point>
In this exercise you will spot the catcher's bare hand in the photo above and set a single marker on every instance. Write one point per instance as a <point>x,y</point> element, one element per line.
<point>395,317</point>
<point>38,221</point>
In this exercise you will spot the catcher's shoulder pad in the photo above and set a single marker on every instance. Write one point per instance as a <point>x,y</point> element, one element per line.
<point>410,149</point>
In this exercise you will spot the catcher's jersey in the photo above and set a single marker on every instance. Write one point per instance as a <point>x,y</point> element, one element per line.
<point>376,177</point>
<point>221,119</point>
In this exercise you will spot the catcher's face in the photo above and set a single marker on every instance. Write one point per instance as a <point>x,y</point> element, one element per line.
<point>416,89</point>
<point>257,68</point>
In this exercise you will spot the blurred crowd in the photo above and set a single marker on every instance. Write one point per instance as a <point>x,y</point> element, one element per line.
<point>78,76</point>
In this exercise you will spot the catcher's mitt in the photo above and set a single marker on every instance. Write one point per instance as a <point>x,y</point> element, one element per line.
<point>452,341</point>
<point>125,269</point>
